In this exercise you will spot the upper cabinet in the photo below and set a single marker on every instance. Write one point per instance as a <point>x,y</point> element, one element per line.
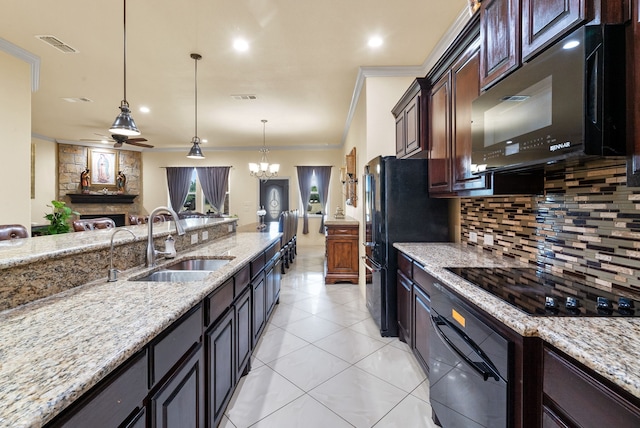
<point>499,39</point>
<point>408,112</point>
<point>511,35</point>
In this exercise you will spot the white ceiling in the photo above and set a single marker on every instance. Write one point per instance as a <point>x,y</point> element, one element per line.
<point>303,62</point>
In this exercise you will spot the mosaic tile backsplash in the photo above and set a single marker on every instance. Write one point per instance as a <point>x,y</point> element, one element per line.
<point>587,224</point>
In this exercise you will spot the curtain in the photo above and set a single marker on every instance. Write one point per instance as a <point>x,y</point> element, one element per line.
<point>214,181</point>
<point>323,177</point>
<point>178,180</point>
<point>305,175</point>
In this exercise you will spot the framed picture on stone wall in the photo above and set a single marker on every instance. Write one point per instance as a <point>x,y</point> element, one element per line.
<point>103,168</point>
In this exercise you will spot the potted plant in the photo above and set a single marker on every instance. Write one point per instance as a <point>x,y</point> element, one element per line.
<point>59,218</point>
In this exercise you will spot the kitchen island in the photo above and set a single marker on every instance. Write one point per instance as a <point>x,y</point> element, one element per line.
<point>55,349</point>
<point>608,346</point>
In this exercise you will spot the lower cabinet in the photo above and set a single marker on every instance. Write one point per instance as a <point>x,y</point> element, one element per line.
<point>221,371</point>
<point>244,336</point>
<point>180,402</point>
<point>404,308</point>
<point>421,326</point>
<point>342,252</point>
<point>574,396</point>
<point>259,312</point>
<point>186,375</point>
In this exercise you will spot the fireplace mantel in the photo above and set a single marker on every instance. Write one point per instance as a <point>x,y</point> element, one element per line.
<point>101,198</point>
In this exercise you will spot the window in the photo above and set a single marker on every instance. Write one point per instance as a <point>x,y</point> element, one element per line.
<point>313,205</point>
<point>196,201</point>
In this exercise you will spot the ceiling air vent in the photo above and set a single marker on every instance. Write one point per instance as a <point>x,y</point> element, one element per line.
<point>241,97</point>
<point>57,43</point>
<point>77,100</point>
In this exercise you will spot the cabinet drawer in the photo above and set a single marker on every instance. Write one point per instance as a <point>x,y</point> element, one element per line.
<point>405,265</point>
<point>219,301</point>
<point>257,264</point>
<point>175,343</point>
<point>241,280</point>
<point>114,399</point>
<point>421,277</point>
<point>350,231</point>
<point>582,398</point>
<point>272,251</point>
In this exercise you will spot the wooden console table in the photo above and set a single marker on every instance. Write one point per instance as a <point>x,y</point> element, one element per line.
<point>341,251</point>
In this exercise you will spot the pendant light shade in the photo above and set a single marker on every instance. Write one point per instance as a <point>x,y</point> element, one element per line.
<point>124,124</point>
<point>196,152</point>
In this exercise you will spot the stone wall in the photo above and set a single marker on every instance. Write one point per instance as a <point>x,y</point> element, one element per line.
<point>587,223</point>
<point>72,160</point>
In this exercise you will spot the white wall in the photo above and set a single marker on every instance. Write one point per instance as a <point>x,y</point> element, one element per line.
<point>46,167</point>
<point>244,189</point>
<point>15,140</point>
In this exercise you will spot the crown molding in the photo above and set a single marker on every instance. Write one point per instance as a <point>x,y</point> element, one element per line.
<point>409,71</point>
<point>26,56</point>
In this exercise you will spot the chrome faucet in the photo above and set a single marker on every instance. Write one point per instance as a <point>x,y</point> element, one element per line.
<point>113,273</point>
<point>151,251</point>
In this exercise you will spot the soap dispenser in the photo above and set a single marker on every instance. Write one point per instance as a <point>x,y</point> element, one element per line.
<point>169,247</point>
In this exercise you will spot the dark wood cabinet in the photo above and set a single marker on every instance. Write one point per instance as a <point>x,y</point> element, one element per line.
<point>221,371</point>
<point>180,401</point>
<point>408,113</point>
<point>574,396</point>
<point>440,135</point>
<point>341,252</point>
<point>499,39</point>
<point>113,400</point>
<point>421,309</point>
<point>272,284</point>
<point>244,337</point>
<point>465,88</point>
<point>405,288</point>
<point>543,21</point>
<point>139,420</point>
<point>259,317</point>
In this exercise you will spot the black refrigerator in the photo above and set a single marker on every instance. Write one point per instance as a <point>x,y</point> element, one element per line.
<point>397,209</point>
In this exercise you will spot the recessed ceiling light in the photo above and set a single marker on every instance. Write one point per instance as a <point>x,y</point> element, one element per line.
<point>375,42</point>
<point>144,109</point>
<point>240,45</point>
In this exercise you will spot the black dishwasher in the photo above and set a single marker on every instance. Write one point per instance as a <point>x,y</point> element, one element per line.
<point>469,366</point>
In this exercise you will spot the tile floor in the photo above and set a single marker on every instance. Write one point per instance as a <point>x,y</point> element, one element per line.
<point>321,362</point>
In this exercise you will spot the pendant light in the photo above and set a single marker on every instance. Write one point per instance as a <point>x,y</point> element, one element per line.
<point>124,124</point>
<point>196,152</point>
<point>264,170</point>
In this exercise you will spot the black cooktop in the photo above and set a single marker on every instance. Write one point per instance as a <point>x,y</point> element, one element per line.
<point>542,294</point>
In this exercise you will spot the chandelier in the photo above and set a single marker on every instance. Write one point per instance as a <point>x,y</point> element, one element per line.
<point>264,170</point>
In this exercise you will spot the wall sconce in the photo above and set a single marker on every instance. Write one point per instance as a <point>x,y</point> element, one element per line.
<point>349,180</point>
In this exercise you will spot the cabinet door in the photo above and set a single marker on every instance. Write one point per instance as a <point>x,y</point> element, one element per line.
<point>179,403</point>
<point>422,325</point>
<point>543,21</point>
<point>400,136</point>
<point>221,370</point>
<point>243,333</point>
<point>139,420</point>
<point>404,308</point>
<point>412,125</point>
<point>259,312</point>
<point>466,88</point>
<point>440,136</point>
<point>499,39</point>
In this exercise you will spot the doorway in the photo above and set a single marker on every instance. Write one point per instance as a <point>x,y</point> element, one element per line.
<point>274,197</point>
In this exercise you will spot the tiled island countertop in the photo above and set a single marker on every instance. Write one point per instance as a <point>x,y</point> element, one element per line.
<point>610,346</point>
<point>54,349</point>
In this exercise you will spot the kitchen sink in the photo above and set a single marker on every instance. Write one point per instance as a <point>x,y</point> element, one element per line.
<point>186,270</point>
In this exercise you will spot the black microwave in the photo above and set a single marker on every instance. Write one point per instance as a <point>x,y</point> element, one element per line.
<point>567,102</point>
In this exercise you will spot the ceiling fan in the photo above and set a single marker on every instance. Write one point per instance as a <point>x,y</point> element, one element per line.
<point>120,139</point>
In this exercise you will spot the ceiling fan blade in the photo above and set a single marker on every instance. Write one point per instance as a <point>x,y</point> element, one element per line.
<point>136,139</point>
<point>135,143</point>
<point>118,144</point>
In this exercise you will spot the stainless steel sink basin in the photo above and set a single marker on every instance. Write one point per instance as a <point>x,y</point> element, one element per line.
<point>199,264</point>
<point>186,270</point>
<point>175,276</point>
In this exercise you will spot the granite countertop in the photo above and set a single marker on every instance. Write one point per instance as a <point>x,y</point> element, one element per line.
<point>610,346</point>
<point>347,221</point>
<point>55,349</point>
<point>24,251</point>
